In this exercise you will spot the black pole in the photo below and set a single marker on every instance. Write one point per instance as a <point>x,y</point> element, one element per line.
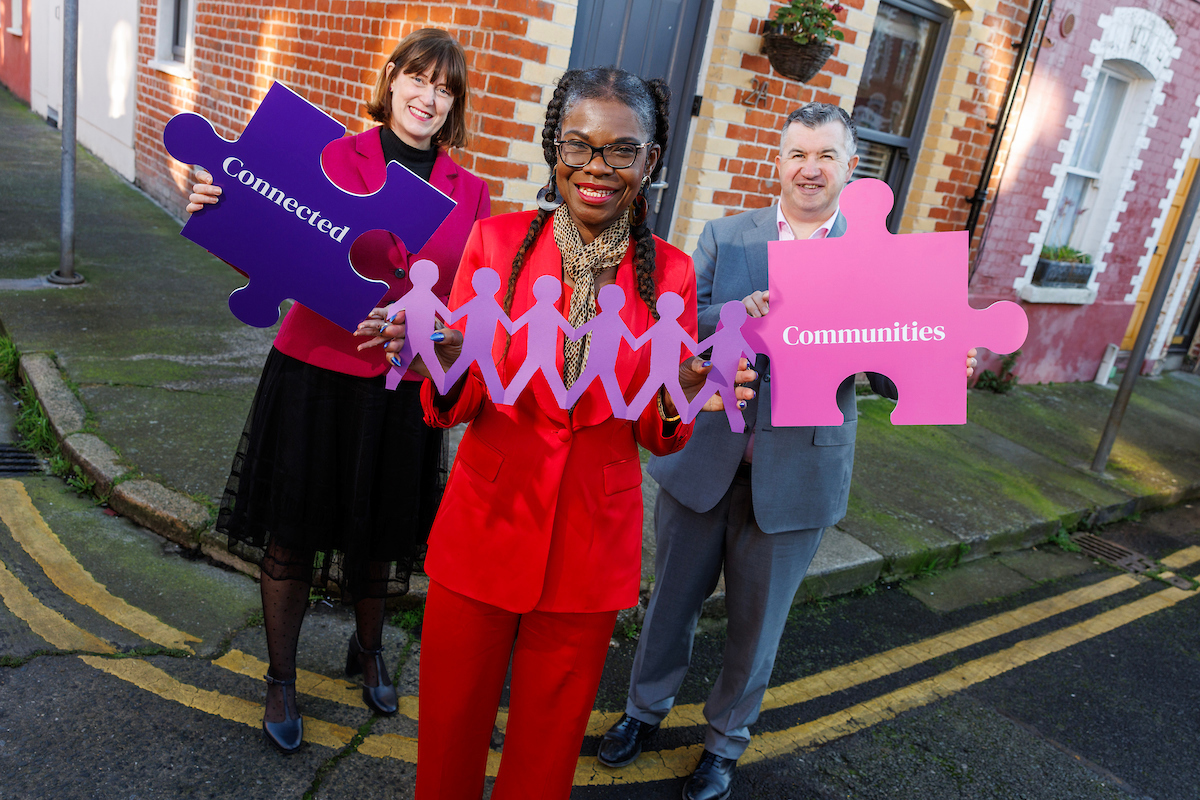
<point>981,191</point>
<point>1146,330</point>
<point>65,274</point>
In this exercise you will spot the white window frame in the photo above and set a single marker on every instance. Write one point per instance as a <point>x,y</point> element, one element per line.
<point>166,59</point>
<point>1084,236</point>
<point>18,8</point>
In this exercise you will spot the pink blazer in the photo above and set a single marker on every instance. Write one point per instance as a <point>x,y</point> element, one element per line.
<point>355,163</point>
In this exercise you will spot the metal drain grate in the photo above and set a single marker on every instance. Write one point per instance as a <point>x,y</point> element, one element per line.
<point>15,461</point>
<point>1123,557</point>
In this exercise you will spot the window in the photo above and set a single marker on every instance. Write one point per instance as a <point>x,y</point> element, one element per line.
<point>174,43</point>
<point>895,91</point>
<point>15,28</point>
<point>179,31</point>
<point>1069,222</point>
<point>1098,162</point>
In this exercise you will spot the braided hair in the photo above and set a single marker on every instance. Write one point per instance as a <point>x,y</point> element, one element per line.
<point>650,102</point>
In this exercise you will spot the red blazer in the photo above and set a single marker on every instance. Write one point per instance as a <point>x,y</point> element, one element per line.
<point>355,163</point>
<point>543,510</point>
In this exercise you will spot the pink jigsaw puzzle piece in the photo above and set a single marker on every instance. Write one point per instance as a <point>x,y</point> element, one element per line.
<point>873,301</point>
<point>284,223</point>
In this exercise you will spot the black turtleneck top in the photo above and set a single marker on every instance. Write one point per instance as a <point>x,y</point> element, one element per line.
<point>395,149</point>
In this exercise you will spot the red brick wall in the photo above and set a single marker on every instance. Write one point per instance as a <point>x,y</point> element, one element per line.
<point>14,50</point>
<point>754,183</point>
<point>989,84</point>
<point>330,51</point>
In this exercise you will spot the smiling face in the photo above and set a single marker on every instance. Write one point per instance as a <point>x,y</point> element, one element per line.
<point>596,194</point>
<point>420,105</point>
<point>813,167</point>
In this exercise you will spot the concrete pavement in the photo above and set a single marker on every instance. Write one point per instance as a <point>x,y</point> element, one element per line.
<point>146,378</point>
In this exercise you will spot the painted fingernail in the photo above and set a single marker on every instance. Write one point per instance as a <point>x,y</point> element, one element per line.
<point>741,403</point>
<point>753,394</point>
<point>707,363</point>
<point>437,336</point>
<point>396,361</point>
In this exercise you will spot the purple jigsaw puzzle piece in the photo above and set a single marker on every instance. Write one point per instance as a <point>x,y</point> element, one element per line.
<point>284,223</point>
<point>874,301</point>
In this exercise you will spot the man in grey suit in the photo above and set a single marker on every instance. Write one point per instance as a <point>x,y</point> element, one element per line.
<point>753,503</point>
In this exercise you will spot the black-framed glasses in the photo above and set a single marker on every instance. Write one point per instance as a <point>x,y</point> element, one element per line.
<point>618,155</point>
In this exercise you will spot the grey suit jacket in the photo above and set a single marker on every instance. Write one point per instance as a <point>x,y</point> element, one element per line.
<point>800,476</point>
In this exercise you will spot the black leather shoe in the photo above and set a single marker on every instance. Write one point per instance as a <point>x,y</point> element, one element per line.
<point>287,734</point>
<point>623,742</point>
<point>381,698</point>
<point>711,779</point>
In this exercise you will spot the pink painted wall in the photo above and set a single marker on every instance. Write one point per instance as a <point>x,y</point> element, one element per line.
<point>14,50</point>
<point>1066,342</point>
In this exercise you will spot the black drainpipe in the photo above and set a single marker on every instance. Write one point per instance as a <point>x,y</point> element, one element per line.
<point>981,191</point>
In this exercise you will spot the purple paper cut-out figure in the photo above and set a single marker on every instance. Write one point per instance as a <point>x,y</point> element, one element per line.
<point>281,220</point>
<point>728,346</point>
<point>483,314</point>
<point>543,321</point>
<point>607,329</point>
<point>665,337</point>
<point>420,306</point>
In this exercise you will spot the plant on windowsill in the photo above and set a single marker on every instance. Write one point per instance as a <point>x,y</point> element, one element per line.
<point>796,40</point>
<point>1063,267</point>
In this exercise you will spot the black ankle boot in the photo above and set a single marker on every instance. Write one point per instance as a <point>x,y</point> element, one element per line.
<point>287,734</point>
<point>381,698</point>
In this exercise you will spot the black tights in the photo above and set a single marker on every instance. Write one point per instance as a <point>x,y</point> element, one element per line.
<point>284,600</point>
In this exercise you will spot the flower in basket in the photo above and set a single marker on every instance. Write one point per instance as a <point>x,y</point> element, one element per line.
<point>808,21</point>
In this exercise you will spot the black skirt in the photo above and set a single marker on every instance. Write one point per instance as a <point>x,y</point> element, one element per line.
<point>335,481</point>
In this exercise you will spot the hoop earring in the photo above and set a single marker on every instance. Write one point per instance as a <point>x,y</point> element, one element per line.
<point>547,198</point>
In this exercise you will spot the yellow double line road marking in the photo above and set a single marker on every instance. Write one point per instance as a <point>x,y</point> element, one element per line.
<point>154,680</point>
<point>43,546</point>
<point>666,764</point>
<point>27,526</point>
<point>45,622</point>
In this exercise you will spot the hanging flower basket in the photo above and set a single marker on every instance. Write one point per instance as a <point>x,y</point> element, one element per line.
<point>789,58</point>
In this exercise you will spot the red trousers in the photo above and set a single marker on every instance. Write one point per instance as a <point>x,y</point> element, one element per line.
<point>557,660</point>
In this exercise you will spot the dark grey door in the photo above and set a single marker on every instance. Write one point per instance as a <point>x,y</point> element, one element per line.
<point>654,39</point>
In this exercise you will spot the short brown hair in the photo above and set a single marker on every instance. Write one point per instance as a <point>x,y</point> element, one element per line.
<point>422,50</point>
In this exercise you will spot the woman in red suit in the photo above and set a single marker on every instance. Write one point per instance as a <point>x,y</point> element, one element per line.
<point>538,541</point>
<point>336,479</point>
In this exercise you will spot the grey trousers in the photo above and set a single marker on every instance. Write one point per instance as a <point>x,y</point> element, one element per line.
<point>762,574</point>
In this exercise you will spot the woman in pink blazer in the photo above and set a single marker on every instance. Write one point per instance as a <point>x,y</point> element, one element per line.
<point>337,480</point>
